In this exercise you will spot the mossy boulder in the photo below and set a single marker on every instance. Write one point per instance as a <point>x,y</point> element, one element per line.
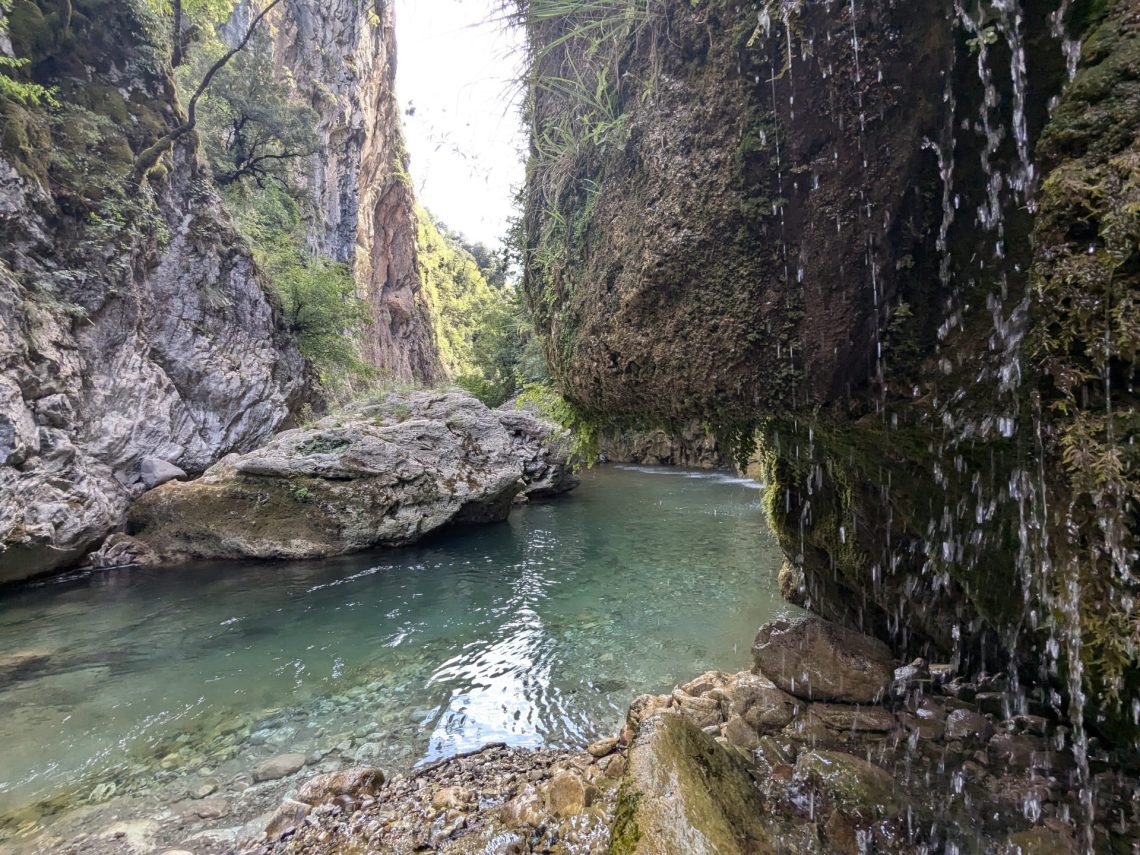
<point>387,474</point>
<point>684,794</point>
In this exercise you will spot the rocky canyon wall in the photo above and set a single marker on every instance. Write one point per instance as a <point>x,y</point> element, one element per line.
<point>135,331</point>
<point>339,58</point>
<point>852,230</point>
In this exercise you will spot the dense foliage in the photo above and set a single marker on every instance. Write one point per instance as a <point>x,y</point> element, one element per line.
<point>481,322</point>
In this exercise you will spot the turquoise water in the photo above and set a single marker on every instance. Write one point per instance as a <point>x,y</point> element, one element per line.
<point>536,631</point>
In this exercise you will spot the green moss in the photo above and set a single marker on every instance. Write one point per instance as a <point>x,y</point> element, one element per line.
<point>1085,342</point>
<point>624,832</point>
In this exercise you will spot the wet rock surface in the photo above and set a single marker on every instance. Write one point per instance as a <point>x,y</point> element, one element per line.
<point>818,660</point>
<point>384,474</point>
<point>695,770</point>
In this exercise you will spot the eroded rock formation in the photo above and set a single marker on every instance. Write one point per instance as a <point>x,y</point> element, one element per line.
<point>340,59</point>
<point>386,475</point>
<point>133,323</point>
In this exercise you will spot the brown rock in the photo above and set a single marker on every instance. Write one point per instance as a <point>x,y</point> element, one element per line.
<point>524,810</point>
<point>357,781</point>
<point>211,808</point>
<point>740,734</point>
<point>644,706</point>
<point>967,724</point>
<point>1016,750</point>
<point>855,786</point>
<point>703,712</point>
<point>615,766</point>
<point>566,794</point>
<point>706,682</point>
<point>854,718</point>
<point>927,728</point>
<point>453,798</point>
<point>602,747</point>
<point>814,659</point>
<point>760,702</point>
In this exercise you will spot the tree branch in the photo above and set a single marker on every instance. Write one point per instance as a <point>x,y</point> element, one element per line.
<point>150,155</point>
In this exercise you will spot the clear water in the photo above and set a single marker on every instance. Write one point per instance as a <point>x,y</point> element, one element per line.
<point>536,631</point>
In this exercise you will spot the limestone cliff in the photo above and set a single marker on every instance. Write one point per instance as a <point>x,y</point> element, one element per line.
<point>340,59</point>
<point>835,223</point>
<point>133,323</point>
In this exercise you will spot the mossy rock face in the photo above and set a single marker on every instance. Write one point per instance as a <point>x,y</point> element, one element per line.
<point>1085,343</point>
<point>683,794</point>
<point>857,506</point>
<point>856,787</point>
<point>709,256</point>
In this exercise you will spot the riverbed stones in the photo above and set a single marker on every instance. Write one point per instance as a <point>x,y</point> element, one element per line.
<point>277,767</point>
<point>819,660</point>
<point>384,474</point>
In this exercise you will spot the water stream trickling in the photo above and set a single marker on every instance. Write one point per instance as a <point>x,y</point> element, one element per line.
<point>537,631</point>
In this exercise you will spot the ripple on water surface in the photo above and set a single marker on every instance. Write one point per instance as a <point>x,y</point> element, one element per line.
<point>537,631</point>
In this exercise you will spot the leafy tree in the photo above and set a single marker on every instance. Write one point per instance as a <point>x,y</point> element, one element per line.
<point>149,156</point>
<point>24,92</point>
<point>189,18</point>
<point>318,296</point>
<point>250,127</point>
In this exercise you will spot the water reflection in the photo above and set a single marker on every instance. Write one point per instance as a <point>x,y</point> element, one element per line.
<point>538,631</point>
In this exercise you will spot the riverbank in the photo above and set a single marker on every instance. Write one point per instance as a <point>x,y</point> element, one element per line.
<point>860,753</point>
<point>153,685</point>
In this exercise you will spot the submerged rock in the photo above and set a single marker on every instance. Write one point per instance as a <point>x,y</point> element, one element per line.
<point>278,767</point>
<point>385,475</point>
<point>814,659</point>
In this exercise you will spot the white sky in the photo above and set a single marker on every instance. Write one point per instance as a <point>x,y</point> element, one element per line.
<point>456,67</point>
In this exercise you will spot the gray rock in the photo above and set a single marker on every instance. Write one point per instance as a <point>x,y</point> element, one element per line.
<point>818,660</point>
<point>280,766</point>
<point>386,474</point>
<point>290,814</point>
<point>544,451</point>
<point>155,471</point>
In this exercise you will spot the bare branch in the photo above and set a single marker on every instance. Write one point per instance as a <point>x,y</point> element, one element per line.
<point>150,155</point>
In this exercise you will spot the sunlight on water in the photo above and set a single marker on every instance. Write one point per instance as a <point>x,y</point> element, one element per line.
<point>537,631</point>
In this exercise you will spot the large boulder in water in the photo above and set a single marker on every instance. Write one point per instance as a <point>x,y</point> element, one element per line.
<point>386,474</point>
<point>822,661</point>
